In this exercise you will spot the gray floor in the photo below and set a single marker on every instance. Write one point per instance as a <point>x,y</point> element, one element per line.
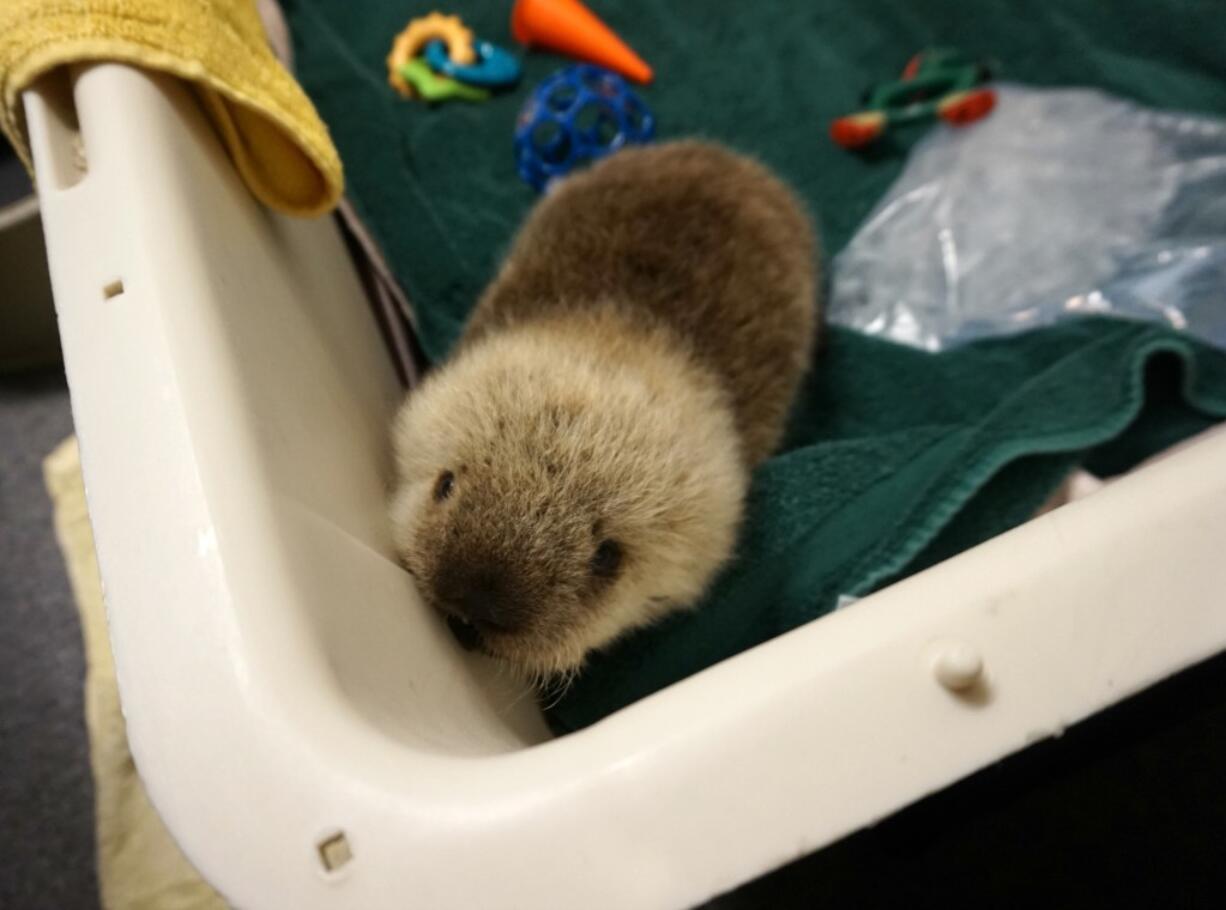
<point>46,793</point>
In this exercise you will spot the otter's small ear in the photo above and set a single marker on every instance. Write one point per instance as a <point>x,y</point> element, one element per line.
<point>607,560</point>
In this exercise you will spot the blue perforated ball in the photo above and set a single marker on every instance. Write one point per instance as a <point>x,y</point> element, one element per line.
<point>577,115</point>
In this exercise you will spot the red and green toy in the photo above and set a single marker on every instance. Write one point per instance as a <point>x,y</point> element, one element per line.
<point>941,83</point>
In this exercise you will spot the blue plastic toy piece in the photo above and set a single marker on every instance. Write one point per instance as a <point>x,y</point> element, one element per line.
<point>495,67</point>
<point>575,116</point>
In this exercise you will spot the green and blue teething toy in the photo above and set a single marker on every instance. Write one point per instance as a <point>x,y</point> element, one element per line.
<point>495,67</point>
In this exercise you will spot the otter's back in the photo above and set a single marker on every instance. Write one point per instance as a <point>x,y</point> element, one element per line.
<point>685,235</point>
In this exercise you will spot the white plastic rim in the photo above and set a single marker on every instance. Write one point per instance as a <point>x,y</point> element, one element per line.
<point>308,730</point>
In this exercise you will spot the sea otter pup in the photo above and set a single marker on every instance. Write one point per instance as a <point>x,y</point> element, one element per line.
<point>578,467</point>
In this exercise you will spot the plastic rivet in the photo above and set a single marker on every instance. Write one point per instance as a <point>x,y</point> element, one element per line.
<point>956,665</point>
<point>334,852</point>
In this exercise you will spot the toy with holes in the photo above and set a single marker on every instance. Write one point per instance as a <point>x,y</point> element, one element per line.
<point>577,115</point>
<point>941,83</point>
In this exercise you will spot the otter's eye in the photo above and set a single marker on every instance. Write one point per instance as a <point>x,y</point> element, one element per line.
<point>607,559</point>
<point>443,486</point>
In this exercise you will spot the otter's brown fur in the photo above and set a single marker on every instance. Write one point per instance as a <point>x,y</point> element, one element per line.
<point>578,468</point>
<point>686,235</point>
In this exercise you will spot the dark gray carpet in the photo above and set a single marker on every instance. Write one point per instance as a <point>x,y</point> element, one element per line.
<point>46,792</point>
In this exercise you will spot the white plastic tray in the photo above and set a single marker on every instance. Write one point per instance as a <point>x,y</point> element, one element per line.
<point>289,699</point>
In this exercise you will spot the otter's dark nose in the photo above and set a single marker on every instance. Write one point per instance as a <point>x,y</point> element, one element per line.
<point>482,600</point>
<point>481,597</point>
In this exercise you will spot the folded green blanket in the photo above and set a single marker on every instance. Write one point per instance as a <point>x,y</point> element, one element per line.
<point>896,459</point>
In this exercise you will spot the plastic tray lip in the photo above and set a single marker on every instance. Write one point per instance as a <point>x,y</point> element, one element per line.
<point>779,750</point>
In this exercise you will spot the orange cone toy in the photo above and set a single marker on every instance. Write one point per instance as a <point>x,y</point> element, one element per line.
<point>569,27</point>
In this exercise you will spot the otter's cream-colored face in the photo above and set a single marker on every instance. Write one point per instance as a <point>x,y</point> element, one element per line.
<point>552,496</point>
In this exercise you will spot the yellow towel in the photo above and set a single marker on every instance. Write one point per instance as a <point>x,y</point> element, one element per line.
<point>274,135</point>
<point>139,866</point>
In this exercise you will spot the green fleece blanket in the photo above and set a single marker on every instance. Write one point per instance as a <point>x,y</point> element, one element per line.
<point>896,459</point>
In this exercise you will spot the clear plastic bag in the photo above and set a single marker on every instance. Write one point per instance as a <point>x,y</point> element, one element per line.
<point>1062,202</point>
